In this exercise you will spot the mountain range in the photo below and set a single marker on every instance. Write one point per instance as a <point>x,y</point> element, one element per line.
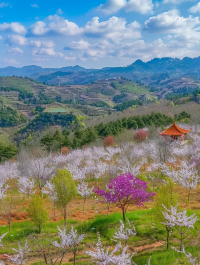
<point>173,67</point>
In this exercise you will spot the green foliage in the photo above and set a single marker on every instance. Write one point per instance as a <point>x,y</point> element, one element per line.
<point>37,212</point>
<point>65,188</point>
<point>10,117</point>
<point>38,109</point>
<point>166,197</point>
<point>181,116</point>
<point>7,151</point>
<point>48,119</point>
<point>116,127</point>
<point>127,104</point>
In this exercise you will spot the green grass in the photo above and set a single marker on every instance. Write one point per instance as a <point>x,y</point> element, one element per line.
<point>55,110</point>
<point>16,82</point>
<point>131,87</point>
<point>149,230</point>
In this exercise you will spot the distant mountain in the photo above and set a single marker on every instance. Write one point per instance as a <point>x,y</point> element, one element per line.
<point>137,71</point>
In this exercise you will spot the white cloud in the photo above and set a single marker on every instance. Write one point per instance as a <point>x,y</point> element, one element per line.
<point>77,45</point>
<point>15,51</point>
<point>72,58</point>
<point>10,61</point>
<point>21,40</point>
<point>171,22</point>
<point>13,27</point>
<point>47,51</point>
<point>39,28</point>
<point>114,28</point>
<point>35,5</point>
<point>2,5</point>
<point>59,11</point>
<point>113,6</point>
<point>57,25</point>
<point>1,38</point>
<point>195,8</point>
<point>175,1</point>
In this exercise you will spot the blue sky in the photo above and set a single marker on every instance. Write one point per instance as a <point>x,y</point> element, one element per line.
<point>98,33</point>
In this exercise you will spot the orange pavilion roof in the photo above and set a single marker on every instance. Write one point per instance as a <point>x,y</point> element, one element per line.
<point>175,130</point>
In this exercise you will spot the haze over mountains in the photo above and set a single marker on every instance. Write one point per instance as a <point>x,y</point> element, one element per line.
<point>139,70</point>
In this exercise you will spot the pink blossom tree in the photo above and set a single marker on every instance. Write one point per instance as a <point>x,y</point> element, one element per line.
<point>126,190</point>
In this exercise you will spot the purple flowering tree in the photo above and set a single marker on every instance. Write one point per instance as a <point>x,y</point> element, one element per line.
<point>125,190</point>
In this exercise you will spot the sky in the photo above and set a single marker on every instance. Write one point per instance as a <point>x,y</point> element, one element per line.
<point>97,33</point>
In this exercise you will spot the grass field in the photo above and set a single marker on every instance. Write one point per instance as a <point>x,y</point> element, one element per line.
<point>131,87</point>
<point>55,110</point>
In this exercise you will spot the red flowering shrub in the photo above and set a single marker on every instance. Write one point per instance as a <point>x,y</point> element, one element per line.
<point>141,135</point>
<point>65,150</point>
<point>109,141</point>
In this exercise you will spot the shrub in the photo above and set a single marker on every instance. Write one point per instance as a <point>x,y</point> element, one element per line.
<point>141,135</point>
<point>109,141</point>
<point>37,212</point>
<point>65,150</point>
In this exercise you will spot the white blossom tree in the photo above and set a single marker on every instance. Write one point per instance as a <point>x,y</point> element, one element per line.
<point>124,232</point>
<point>49,189</point>
<point>19,258</point>
<point>1,237</point>
<point>84,191</point>
<point>179,220</point>
<point>188,255</point>
<point>69,240</point>
<point>26,186</point>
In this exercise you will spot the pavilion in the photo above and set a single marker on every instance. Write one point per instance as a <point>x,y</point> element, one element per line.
<point>175,132</point>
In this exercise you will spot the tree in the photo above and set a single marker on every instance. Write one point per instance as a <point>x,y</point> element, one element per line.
<point>141,135</point>
<point>19,258</point>
<point>84,191</point>
<point>26,186</point>
<point>65,189</point>
<point>101,255</point>
<point>37,212</point>
<point>126,190</point>
<point>39,166</point>
<point>168,198</point>
<point>179,220</point>
<point>7,151</point>
<point>70,240</point>
<point>124,232</point>
<point>1,237</point>
<point>109,141</point>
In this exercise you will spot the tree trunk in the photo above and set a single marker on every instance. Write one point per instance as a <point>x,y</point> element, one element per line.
<point>10,222</point>
<point>181,246</point>
<point>124,218</point>
<point>108,204</point>
<point>65,216</point>
<point>168,238</point>
<point>75,257</point>
<point>39,229</point>
<point>84,205</point>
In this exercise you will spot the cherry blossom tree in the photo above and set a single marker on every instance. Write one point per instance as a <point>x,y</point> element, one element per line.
<point>1,237</point>
<point>126,190</point>
<point>26,186</point>
<point>188,255</point>
<point>19,258</point>
<point>103,256</point>
<point>69,240</point>
<point>124,232</point>
<point>84,191</point>
<point>179,220</point>
<point>40,167</point>
<point>49,189</point>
